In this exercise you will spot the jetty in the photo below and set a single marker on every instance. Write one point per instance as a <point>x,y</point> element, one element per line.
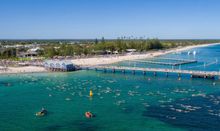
<point>192,73</point>
<point>176,63</point>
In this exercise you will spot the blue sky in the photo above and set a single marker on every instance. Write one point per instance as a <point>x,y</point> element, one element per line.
<point>71,19</point>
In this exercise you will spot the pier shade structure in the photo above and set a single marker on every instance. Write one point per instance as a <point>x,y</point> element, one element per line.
<point>60,65</point>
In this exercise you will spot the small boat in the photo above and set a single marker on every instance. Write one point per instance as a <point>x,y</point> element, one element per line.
<point>189,53</point>
<point>194,52</point>
<point>88,115</point>
<point>43,112</point>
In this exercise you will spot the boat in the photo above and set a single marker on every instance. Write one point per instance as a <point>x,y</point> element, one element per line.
<point>189,53</point>
<point>194,52</point>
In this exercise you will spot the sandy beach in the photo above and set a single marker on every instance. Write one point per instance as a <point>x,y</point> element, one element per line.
<point>25,69</point>
<point>101,60</point>
<point>115,59</point>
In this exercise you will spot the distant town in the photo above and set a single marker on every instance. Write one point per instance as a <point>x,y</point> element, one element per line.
<point>42,49</point>
<point>49,53</point>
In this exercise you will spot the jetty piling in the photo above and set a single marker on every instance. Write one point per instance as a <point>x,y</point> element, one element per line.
<point>192,73</point>
<point>113,70</point>
<point>133,72</point>
<point>155,73</point>
<point>179,75</point>
<point>177,63</point>
<point>166,74</point>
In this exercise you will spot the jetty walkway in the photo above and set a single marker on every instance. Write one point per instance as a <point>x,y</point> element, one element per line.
<point>177,63</point>
<point>192,73</point>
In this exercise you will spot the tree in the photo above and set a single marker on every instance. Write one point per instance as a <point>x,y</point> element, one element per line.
<point>154,44</point>
<point>78,50</point>
<point>103,40</point>
<point>96,41</point>
<point>120,45</point>
<point>9,53</point>
<point>50,52</point>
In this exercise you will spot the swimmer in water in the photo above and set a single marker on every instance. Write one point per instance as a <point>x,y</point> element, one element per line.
<point>214,83</point>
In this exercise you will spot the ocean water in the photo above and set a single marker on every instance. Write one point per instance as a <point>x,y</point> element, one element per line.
<point>120,102</point>
<point>208,59</point>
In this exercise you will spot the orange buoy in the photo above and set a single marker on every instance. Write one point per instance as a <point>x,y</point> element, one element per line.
<point>88,115</point>
<point>90,93</point>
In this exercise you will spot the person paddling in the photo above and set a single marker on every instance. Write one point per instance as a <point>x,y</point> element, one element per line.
<point>88,114</point>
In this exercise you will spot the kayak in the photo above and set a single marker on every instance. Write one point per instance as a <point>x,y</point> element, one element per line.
<point>40,114</point>
<point>88,115</point>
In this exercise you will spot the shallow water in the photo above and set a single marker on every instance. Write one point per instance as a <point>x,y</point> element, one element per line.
<point>120,101</point>
<point>208,60</point>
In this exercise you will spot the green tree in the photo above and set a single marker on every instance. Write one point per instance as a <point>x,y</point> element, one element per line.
<point>96,41</point>
<point>50,52</point>
<point>103,40</point>
<point>9,53</point>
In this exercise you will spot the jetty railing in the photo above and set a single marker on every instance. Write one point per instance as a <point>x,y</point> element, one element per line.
<point>193,73</point>
<point>181,61</point>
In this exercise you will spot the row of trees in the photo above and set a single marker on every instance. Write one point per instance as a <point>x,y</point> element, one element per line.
<point>101,46</point>
<point>8,53</point>
<point>56,48</point>
<point>65,50</point>
<point>120,45</point>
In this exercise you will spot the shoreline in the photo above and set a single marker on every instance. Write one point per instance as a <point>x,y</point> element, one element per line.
<point>103,60</point>
<point>23,70</point>
<point>115,59</point>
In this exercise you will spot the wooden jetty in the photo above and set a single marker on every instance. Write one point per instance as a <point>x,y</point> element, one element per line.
<point>176,59</point>
<point>179,61</point>
<point>192,73</point>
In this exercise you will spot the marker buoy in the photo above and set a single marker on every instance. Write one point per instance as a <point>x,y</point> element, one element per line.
<point>90,93</point>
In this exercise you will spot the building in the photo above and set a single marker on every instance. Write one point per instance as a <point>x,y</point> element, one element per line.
<point>32,52</point>
<point>115,52</point>
<point>60,65</point>
<point>28,54</point>
<point>130,51</point>
<point>37,49</point>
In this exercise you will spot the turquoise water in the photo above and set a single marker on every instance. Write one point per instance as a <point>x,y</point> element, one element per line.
<point>120,102</point>
<point>208,60</point>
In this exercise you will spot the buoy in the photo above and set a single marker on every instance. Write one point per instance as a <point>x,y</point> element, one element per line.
<point>90,93</point>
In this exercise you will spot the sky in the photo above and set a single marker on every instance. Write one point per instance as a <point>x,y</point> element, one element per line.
<point>90,19</point>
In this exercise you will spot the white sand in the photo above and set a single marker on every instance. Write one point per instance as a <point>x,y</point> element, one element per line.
<point>100,60</point>
<point>25,69</point>
<point>115,59</point>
